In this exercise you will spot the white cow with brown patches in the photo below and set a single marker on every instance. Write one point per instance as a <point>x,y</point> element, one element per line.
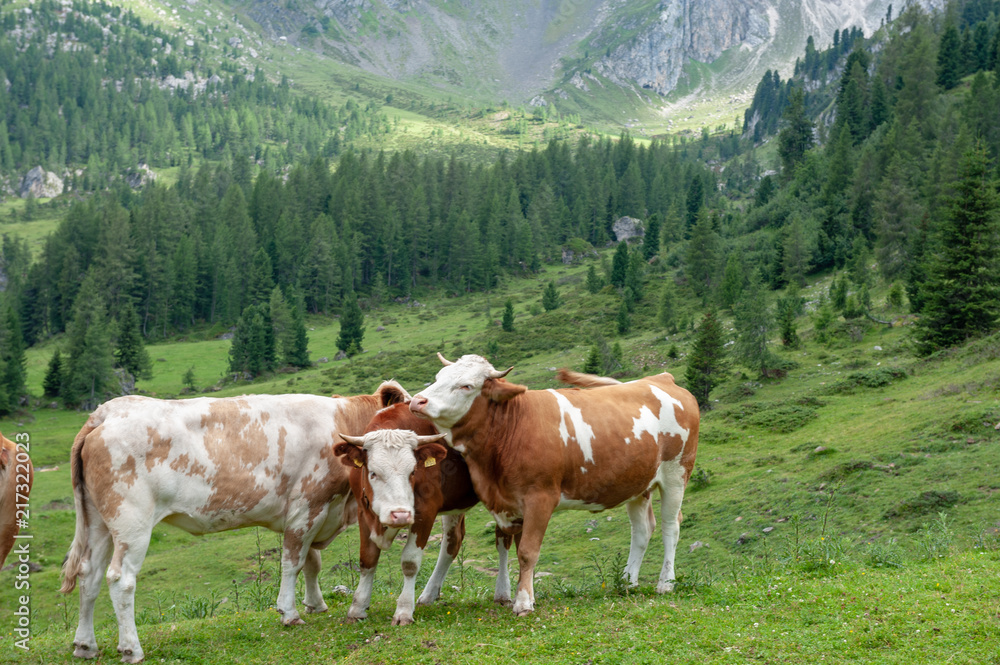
<point>208,465</point>
<point>532,452</point>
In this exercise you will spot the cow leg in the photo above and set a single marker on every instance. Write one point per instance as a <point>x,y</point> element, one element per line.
<point>294,555</point>
<point>537,511</point>
<point>89,582</point>
<point>370,553</point>
<point>313,602</point>
<point>453,532</point>
<point>413,554</point>
<point>640,515</point>
<point>502,594</point>
<point>129,553</point>
<point>671,495</point>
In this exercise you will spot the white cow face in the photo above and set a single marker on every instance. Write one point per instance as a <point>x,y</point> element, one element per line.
<point>388,460</point>
<point>456,386</point>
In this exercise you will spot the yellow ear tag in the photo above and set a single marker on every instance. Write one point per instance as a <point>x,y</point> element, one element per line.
<point>358,463</point>
<point>430,461</point>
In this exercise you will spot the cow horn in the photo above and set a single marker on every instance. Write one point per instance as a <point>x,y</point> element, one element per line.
<point>444,361</point>
<point>430,438</point>
<point>356,440</point>
<point>497,374</point>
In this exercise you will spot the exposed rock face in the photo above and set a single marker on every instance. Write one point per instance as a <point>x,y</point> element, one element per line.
<point>41,183</point>
<point>628,228</point>
<point>685,29</point>
<point>140,176</point>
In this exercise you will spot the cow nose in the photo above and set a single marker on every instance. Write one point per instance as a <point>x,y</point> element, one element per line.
<point>401,518</point>
<point>418,403</point>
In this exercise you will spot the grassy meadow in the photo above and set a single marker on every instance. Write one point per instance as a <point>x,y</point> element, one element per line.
<point>843,513</point>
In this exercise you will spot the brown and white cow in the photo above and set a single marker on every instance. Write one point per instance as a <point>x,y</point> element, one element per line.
<point>16,476</point>
<point>532,452</point>
<point>402,478</point>
<point>207,465</point>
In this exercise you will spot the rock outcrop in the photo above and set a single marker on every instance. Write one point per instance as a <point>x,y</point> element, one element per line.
<point>41,183</point>
<point>628,228</point>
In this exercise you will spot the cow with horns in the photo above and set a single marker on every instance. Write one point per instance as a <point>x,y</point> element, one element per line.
<point>532,452</point>
<point>401,477</point>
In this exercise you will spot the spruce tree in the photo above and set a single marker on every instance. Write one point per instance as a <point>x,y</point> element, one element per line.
<point>732,281</point>
<point>507,323</point>
<point>13,372</point>
<point>619,265</point>
<point>550,297</point>
<point>89,376</point>
<point>797,136</point>
<point>623,322</point>
<point>298,354</point>
<point>949,60</point>
<point>667,314</point>
<point>706,364</point>
<point>962,290</point>
<point>253,349</point>
<point>352,329</point>
<point>753,322</point>
<point>52,382</point>
<point>651,241</point>
<point>594,281</point>
<point>130,353</point>
<point>592,365</point>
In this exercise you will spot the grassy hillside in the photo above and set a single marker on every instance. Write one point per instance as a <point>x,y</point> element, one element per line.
<point>843,513</point>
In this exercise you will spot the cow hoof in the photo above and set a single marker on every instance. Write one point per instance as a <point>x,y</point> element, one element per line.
<point>523,613</point>
<point>426,600</point>
<point>503,601</point>
<point>665,587</point>
<point>130,656</point>
<point>402,620</point>
<point>318,609</point>
<point>293,621</point>
<point>81,650</point>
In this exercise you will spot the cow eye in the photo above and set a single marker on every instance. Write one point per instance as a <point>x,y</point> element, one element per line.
<point>467,387</point>
<point>372,475</point>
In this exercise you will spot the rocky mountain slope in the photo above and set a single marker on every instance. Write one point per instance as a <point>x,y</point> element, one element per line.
<point>522,48</point>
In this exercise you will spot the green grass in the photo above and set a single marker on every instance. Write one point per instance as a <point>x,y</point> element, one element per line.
<point>864,481</point>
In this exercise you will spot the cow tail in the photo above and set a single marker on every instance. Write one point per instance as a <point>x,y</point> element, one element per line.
<point>582,380</point>
<point>78,551</point>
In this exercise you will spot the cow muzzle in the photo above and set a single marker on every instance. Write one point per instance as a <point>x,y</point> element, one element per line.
<point>400,518</point>
<point>418,404</point>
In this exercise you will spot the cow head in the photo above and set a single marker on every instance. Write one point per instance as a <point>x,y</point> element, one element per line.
<point>456,387</point>
<point>387,460</point>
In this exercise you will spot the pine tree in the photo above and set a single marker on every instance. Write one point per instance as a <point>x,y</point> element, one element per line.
<point>298,354</point>
<point>667,314</point>
<point>52,382</point>
<point>261,281</point>
<point>963,285</point>
<point>13,372</point>
<point>352,329</point>
<point>592,365</point>
<point>253,350</point>
<point>651,241</point>
<point>507,323</point>
<point>550,297</point>
<point>787,309</point>
<point>89,376</point>
<point>706,364</point>
<point>732,281</point>
<point>797,136</point>
<point>594,281</point>
<point>619,265</point>
<point>949,59</point>
<point>752,320</point>
<point>130,353</point>
<point>634,274</point>
<point>702,256</point>
<point>623,322</point>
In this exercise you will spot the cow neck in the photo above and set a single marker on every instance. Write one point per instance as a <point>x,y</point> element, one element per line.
<point>489,430</point>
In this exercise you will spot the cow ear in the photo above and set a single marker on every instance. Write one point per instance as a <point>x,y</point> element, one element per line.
<point>499,390</point>
<point>350,455</point>
<point>429,454</point>
<point>4,457</point>
<point>390,393</point>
